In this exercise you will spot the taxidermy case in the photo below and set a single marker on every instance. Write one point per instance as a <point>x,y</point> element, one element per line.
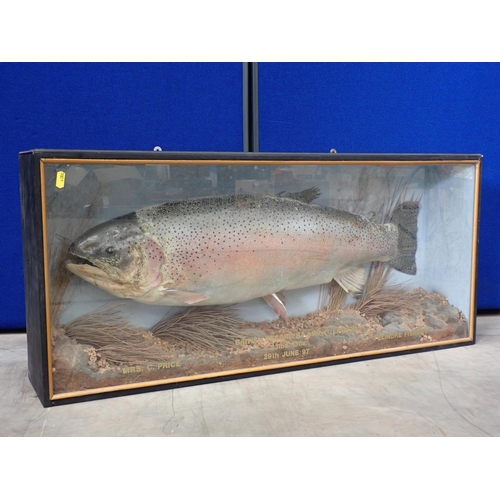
<point>147,270</point>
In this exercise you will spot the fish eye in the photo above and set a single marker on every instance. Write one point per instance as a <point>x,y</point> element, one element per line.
<point>110,250</point>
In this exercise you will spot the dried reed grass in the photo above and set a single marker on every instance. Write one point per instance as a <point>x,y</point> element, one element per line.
<point>200,328</point>
<point>117,340</point>
<point>60,238</point>
<point>60,277</point>
<point>114,338</point>
<point>337,296</point>
<point>379,297</point>
<point>379,204</point>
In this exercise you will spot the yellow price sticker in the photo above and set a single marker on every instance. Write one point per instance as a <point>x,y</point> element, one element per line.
<point>60,178</point>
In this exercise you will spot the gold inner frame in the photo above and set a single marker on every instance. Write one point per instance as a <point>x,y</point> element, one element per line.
<point>266,368</point>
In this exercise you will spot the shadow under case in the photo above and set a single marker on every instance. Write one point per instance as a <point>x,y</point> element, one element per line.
<point>147,270</point>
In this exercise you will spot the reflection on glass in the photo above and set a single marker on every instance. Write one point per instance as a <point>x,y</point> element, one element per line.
<point>169,271</point>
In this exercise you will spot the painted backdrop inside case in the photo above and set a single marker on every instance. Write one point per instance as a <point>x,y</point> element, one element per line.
<point>169,271</point>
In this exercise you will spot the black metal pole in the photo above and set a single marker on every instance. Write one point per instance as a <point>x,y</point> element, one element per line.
<point>250,107</point>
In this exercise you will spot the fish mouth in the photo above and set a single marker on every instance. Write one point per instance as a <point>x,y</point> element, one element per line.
<point>87,271</point>
<point>83,267</point>
<point>93,274</point>
<point>78,260</point>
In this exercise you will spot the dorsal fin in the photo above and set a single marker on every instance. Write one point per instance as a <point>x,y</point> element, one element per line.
<point>306,196</point>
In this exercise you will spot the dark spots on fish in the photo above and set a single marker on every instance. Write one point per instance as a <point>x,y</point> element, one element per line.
<point>198,233</point>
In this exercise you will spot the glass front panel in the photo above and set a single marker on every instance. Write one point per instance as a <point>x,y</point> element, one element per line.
<point>168,271</point>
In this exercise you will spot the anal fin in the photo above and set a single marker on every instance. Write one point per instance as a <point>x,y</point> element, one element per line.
<point>352,281</point>
<point>277,302</point>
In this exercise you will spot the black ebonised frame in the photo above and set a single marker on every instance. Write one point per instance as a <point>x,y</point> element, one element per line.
<point>35,289</point>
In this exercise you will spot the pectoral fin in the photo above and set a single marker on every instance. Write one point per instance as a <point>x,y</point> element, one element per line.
<point>277,302</point>
<point>189,298</point>
<point>352,281</point>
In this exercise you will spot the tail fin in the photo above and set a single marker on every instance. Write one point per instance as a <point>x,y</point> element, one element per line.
<point>405,218</point>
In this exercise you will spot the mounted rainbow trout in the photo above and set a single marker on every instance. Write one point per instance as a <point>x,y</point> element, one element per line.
<point>229,249</point>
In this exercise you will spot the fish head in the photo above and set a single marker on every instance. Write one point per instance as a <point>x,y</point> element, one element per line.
<point>118,257</point>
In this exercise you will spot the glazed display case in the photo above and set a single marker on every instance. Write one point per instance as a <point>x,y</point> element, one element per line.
<point>154,270</point>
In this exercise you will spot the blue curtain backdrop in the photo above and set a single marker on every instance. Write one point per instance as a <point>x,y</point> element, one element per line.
<point>184,107</point>
<point>393,108</point>
<point>310,107</point>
